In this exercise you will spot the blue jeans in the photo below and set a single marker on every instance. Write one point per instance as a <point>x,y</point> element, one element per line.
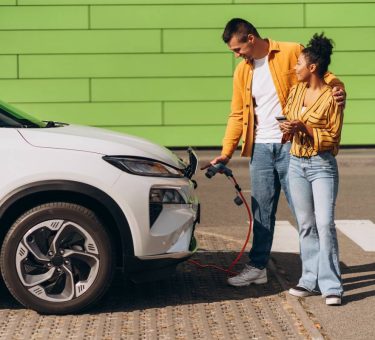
<point>313,186</point>
<point>269,173</point>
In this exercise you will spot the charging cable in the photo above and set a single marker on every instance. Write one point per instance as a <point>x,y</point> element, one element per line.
<point>212,171</point>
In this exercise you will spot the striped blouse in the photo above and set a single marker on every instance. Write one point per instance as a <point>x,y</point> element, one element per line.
<point>324,116</point>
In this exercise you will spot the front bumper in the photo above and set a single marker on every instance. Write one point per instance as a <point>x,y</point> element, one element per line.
<point>158,267</point>
<point>175,226</point>
<point>185,246</point>
<point>160,233</point>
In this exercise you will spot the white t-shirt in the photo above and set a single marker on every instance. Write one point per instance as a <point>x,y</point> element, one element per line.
<point>267,105</point>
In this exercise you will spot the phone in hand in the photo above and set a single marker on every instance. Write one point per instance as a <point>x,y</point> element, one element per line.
<point>281,119</point>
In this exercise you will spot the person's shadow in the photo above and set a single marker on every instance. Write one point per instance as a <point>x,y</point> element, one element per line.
<point>193,285</point>
<point>366,278</point>
<point>354,277</point>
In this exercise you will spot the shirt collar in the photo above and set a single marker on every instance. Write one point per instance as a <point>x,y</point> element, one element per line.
<point>273,47</point>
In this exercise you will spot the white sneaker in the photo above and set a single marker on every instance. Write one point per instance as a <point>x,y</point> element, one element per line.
<point>333,300</point>
<point>300,292</point>
<point>248,276</point>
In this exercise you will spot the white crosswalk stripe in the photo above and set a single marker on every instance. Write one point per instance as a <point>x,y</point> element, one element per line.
<point>361,232</point>
<point>285,239</point>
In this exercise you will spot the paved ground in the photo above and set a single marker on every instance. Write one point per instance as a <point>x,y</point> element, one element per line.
<point>356,201</point>
<point>197,303</point>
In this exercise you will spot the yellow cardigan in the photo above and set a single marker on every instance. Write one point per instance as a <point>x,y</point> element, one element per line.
<point>282,58</point>
<point>325,118</point>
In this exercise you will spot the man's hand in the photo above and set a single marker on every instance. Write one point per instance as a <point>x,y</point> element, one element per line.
<point>339,96</point>
<point>221,159</point>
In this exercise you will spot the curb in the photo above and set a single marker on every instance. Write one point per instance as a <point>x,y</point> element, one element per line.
<point>308,324</point>
<point>296,305</point>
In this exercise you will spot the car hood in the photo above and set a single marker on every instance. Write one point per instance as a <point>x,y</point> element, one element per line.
<point>105,142</point>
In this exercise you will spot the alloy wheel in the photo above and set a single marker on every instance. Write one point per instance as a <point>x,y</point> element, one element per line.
<point>57,260</point>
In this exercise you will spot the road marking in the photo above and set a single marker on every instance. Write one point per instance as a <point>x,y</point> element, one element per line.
<point>285,239</point>
<point>362,232</point>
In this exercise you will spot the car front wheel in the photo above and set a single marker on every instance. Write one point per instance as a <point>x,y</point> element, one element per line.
<point>57,258</point>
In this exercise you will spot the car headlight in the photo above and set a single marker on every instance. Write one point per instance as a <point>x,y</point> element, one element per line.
<point>165,196</point>
<point>143,166</point>
<point>159,197</point>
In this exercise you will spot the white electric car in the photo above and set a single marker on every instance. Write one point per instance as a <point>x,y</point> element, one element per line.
<point>77,202</point>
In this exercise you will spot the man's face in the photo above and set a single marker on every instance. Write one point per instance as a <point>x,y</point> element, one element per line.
<point>244,50</point>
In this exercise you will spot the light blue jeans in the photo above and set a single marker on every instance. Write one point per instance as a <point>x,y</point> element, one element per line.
<point>313,186</point>
<point>269,173</point>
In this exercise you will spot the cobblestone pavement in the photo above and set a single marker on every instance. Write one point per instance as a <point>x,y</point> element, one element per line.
<point>194,304</point>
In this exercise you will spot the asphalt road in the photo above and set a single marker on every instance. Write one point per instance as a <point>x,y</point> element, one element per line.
<point>356,201</point>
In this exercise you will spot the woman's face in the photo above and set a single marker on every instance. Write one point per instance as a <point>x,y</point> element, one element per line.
<point>302,68</point>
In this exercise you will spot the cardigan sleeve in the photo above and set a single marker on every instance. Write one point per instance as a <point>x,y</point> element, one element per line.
<point>333,81</point>
<point>328,137</point>
<point>234,127</point>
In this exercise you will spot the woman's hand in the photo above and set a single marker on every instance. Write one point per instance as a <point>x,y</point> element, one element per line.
<point>286,127</point>
<point>297,126</point>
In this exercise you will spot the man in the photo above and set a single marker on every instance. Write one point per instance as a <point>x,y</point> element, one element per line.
<point>261,85</point>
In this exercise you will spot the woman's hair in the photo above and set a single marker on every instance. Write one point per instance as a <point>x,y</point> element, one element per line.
<point>318,51</point>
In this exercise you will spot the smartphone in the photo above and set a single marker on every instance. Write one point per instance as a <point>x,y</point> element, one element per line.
<point>281,119</point>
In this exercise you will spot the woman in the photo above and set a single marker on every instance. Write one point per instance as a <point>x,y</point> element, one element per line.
<point>314,124</point>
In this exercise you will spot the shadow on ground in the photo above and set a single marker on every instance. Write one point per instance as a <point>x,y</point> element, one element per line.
<point>358,278</point>
<point>192,285</point>
<point>189,285</point>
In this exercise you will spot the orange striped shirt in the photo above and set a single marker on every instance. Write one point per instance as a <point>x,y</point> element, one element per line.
<point>325,117</point>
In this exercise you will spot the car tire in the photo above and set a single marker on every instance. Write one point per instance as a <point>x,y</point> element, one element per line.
<point>57,258</point>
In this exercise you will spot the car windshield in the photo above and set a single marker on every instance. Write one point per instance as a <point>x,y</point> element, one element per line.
<point>10,116</point>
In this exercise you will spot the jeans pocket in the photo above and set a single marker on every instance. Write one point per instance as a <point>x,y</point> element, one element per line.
<point>325,161</point>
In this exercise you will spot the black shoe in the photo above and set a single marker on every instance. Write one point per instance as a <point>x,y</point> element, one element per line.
<point>300,292</point>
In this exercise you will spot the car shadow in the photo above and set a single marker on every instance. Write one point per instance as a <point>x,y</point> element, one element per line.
<point>193,285</point>
<point>189,285</point>
<point>7,301</point>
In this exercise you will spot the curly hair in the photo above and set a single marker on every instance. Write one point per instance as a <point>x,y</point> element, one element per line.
<point>318,51</point>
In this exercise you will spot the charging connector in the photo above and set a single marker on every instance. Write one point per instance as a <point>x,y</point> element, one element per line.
<point>211,171</point>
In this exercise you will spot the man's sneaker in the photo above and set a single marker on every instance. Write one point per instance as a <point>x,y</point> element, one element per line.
<point>300,292</point>
<point>333,300</point>
<point>248,276</point>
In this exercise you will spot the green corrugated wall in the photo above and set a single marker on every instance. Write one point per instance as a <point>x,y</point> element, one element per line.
<point>158,68</point>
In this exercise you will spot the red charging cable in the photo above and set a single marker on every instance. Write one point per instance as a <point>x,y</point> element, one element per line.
<point>229,269</point>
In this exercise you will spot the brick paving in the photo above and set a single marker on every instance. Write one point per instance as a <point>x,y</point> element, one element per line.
<point>193,304</point>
